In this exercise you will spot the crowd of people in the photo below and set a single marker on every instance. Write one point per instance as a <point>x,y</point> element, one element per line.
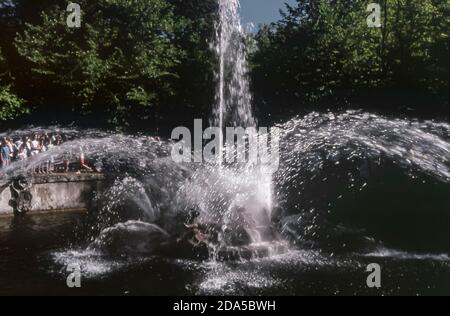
<point>22,148</point>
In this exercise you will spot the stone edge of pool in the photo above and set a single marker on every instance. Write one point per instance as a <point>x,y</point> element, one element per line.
<point>64,192</point>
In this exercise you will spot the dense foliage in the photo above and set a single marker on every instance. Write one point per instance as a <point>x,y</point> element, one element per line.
<point>127,63</point>
<point>140,63</point>
<point>324,49</point>
<point>11,106</point>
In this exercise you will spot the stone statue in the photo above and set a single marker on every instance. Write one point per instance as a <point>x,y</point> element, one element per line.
<point>21,196</point>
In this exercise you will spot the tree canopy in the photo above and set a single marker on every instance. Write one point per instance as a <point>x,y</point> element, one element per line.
<point>11,106</point>
<point>119,63</point>
<point>138,64</point>
<point>325,48</point>
<point>128,62</point>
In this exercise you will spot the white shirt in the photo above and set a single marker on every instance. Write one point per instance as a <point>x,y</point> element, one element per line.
<point>35,145</point>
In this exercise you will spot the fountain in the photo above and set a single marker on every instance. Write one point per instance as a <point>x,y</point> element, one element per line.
<point>337,198</point>
<point>245,216</point>
<point>220,211</point>
<point>331,164</point>
<point>134,186</point>
<point>233,98</point>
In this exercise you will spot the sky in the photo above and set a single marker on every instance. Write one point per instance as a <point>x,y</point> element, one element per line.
<point>262,11</point>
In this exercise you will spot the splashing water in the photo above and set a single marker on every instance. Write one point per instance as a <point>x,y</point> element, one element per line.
<point>244,195</point>
<point>233,98</point>
<point>142,208</point>
<point>324,157</point>
<point>329,159</point>
<point>353,134</point>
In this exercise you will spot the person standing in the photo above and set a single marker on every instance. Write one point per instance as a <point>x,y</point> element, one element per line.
<point>35,145</point>
<point>17,144</point>
<point>5,153</point>
<point>10,144</point>
<point>26,142</point>
<point>43,168</point>
<point>23,152</point>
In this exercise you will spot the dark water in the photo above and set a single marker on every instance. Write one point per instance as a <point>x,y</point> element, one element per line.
<point>29,247</point>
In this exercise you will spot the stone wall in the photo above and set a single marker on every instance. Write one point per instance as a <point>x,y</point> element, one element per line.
<point>59,192</point>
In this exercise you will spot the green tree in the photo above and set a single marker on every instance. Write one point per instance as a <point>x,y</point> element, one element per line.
<point>415,29</point>
<point>325,48</point>
<point>11,106</point>
<point>195,88</point>
<point>119,64</point>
